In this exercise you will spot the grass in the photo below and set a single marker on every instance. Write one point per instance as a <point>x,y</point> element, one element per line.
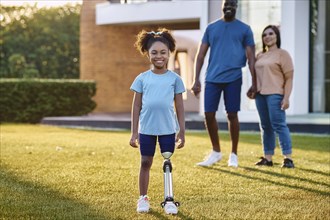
<point>60,173</point>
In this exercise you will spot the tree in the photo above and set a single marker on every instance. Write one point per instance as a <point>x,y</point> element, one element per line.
<point>46,38</point>
<point>17,65</point>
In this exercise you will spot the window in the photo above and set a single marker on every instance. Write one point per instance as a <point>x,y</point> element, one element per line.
<point>319,57</point>
<point>258,14</point>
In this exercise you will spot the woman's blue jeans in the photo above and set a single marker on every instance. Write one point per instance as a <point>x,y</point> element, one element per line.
<point>272,122</point>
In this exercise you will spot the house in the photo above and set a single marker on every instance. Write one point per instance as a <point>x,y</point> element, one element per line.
<point>108,30</point>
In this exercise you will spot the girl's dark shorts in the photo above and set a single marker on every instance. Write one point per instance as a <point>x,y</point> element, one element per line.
<point>148,143</point>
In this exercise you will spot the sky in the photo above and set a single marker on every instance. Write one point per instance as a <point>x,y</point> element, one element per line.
<point>40,3</point>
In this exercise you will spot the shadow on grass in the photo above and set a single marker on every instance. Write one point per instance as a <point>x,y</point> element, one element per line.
<point>23,199</point>
<point>286,176</point>
<point>315,171</point>
<point>324,193</point>
<point>183,216</point>
<point>164,216</point>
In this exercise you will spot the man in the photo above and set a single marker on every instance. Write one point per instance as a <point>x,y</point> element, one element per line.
<point>230,42</point>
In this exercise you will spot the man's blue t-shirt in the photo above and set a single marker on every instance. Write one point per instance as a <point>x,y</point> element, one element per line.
<point>157,116</point>
<point>227,42</point>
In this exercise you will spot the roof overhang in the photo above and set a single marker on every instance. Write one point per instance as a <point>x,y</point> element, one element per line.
<point>154,12</point>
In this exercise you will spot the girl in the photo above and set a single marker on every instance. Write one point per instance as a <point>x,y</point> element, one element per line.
<point>156,91</point>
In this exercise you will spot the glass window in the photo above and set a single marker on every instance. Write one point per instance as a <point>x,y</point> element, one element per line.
<point>258,14</point>
<point>319,60</point>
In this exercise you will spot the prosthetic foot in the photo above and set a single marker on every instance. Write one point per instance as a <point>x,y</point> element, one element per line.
<point>169,205</point>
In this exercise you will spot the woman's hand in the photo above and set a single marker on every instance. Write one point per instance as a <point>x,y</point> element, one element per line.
<point>285,104</point>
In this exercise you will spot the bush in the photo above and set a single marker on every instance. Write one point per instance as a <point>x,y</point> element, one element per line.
<point>29,100</point>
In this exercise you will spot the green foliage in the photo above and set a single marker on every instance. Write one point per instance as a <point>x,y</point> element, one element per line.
<point>18,68</point>
<point>17,65</point>
<point>29,100</point>
<point>58,173</point>
<point>46,38</point>
<point>31,72</point>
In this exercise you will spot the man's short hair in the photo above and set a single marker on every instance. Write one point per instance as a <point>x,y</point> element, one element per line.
<point>236,1</point>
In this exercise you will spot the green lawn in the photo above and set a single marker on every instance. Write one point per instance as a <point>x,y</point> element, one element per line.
<point>59,173</point>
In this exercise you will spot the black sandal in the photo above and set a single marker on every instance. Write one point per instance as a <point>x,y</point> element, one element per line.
<point>287,163</point>
<point>264,162</point>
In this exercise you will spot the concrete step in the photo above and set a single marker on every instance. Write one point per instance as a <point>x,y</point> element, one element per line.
<point>310,123</point>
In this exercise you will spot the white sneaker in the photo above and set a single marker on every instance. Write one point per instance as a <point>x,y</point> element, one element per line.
<point>143,204</point>
<point>233,160</point>
<point>170,208</point>
<point>211,159</point>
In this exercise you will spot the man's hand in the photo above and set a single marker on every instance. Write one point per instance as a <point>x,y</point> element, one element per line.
<point>196,88</point>
<point>252,92</point>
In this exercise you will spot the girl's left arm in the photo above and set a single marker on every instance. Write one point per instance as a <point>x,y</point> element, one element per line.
<point>178,100</point>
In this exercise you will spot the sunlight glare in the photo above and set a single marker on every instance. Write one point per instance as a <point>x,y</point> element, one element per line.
<point>40,3</point>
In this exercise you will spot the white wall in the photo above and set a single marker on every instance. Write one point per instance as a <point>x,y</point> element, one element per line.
<point>148,12</point>
<point>295,39</point>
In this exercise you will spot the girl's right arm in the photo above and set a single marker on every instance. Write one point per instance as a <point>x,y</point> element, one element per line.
<point>135,114</point>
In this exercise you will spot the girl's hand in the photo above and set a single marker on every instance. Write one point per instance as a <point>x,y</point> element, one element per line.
<point>134,142</point>
<point>180,140</point>
<point>285,104</point>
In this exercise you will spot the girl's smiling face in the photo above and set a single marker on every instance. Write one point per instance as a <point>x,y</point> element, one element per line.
<point>269,37</point>
<point>159,55</point>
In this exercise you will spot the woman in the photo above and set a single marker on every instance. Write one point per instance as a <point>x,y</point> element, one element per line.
<point>274,71</point>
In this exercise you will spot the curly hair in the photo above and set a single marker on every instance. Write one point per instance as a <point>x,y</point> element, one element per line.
<point>145,39</point>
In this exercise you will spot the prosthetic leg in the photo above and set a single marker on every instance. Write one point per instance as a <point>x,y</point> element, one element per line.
<point>169,205</point>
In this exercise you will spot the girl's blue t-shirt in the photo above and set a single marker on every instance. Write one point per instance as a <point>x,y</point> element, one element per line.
<point>157,116</point>
<point>227,42</point>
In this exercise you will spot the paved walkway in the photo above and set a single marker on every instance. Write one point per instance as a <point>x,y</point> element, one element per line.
<point>309,123</point>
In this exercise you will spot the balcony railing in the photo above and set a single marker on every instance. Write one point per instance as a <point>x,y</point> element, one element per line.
<point>133,1</point>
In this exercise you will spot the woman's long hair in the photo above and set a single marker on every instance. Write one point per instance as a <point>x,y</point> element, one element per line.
<point>278,37</point>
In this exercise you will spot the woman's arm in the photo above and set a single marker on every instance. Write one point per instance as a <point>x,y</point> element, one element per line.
<point>288,79</point>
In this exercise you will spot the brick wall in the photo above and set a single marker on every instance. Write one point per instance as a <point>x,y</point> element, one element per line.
<point>107,55</point>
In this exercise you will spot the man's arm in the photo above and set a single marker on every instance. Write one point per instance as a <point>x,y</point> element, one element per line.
<point>199,61</point>
<point>250,53</point>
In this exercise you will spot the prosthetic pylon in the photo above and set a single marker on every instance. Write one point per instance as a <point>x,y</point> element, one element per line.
<point>168,184</point>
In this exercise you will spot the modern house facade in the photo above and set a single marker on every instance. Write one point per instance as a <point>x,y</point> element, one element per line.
<point>108,30</point>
